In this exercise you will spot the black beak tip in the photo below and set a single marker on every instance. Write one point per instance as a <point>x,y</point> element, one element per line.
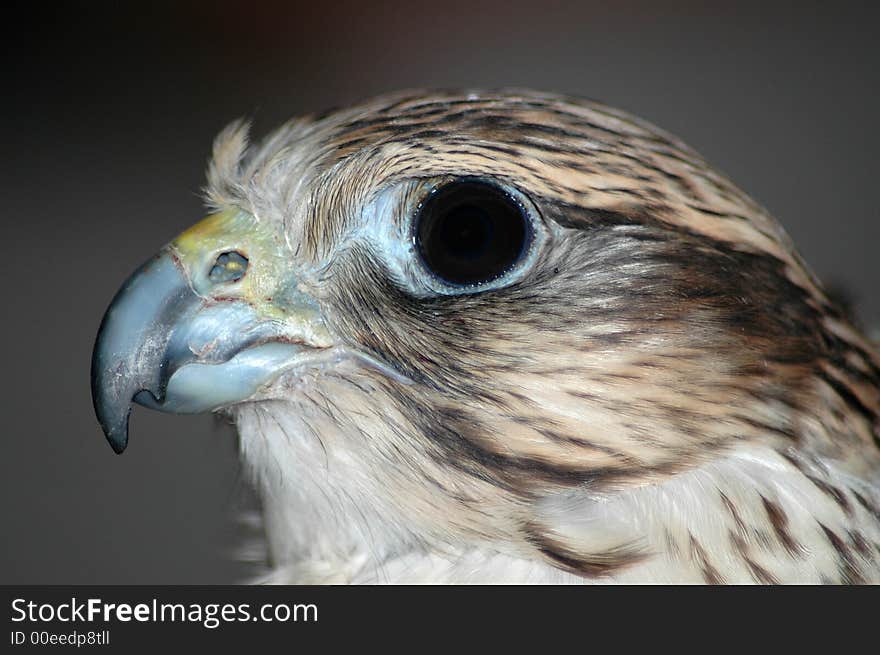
<point>111,414</point>
<point>117,435</point>
<point>118,442</point>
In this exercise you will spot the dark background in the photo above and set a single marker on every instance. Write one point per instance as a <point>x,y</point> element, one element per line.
<point>107,121</point>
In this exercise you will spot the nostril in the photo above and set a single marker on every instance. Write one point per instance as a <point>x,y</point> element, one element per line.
<point>229,267</point>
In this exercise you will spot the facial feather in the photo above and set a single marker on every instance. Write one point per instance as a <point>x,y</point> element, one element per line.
<point>666,394</point>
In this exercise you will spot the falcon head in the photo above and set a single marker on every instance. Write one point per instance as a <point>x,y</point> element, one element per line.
<point>507,337</point>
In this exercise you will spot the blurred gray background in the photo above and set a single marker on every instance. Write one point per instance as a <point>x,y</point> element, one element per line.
<point>108,117</point>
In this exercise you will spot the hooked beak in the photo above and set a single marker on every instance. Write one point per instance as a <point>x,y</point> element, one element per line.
<point>206,323</point>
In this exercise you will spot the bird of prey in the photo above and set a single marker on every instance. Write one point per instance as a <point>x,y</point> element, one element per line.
<point>508,337</point>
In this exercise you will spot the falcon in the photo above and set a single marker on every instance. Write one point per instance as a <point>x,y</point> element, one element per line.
<point>508,337</point>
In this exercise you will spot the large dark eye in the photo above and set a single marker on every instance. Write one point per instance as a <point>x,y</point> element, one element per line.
<point>470,232</point>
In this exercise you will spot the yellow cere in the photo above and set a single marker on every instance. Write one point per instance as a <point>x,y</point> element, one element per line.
<point>234,230</point>
<point>268,284</point>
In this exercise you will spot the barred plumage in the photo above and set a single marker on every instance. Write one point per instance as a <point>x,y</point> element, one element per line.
<point>665,394</point>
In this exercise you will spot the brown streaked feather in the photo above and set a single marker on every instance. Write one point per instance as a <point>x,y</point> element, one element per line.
<point>669,325</point>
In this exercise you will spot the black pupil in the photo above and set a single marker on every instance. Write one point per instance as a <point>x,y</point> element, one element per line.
<point>471,232</point>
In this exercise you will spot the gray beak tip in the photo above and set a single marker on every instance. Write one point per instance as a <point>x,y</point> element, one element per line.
<point>129,350</point>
